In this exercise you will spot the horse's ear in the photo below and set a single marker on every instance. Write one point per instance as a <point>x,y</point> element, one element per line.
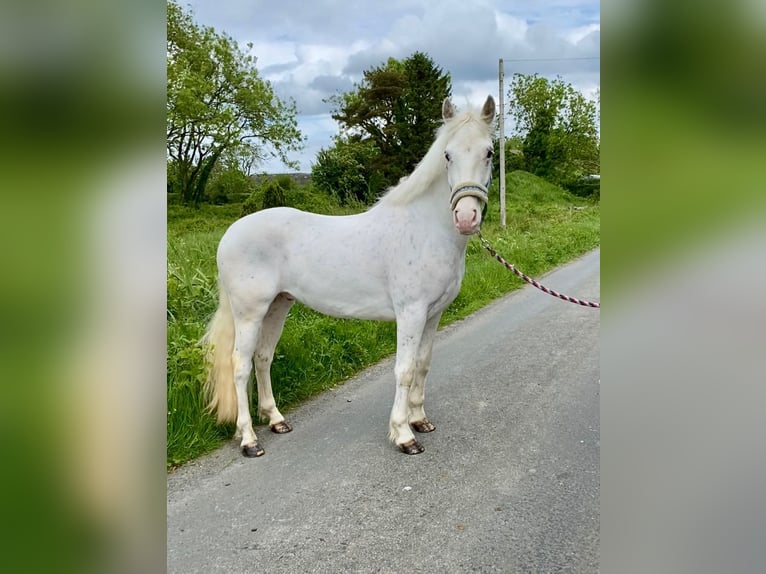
<point>448,110</point>
<point>488,111</point>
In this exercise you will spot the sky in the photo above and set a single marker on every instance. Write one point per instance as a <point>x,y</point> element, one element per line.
<point>312,49</point>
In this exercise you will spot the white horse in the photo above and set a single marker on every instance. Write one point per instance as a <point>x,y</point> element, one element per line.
<point>402,260</point>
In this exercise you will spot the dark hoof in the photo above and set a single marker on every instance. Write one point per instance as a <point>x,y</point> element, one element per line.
<point>281,427</point>
<point>253,450</point>
<point>422,426</point>
<point>411,447</point>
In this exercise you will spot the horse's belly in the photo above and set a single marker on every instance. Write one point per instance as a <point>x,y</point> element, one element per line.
<point>351,306</point>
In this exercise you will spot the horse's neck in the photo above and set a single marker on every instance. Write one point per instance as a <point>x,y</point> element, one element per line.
<point>436,202</point>
<point>431,210</point>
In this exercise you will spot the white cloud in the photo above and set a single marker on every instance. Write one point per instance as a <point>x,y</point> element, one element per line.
<point>576,35</point>
<point>312,50</point>
<point>512,29</point>
<point>274,53</point>
<point>319,130</point>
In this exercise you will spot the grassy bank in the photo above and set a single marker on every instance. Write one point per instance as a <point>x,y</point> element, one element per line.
<point>546,226</point>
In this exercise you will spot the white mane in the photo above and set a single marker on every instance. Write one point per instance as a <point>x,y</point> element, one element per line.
<point>431,166</point>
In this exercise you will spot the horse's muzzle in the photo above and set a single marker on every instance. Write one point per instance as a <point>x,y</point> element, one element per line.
<point>467,215</point>
<point>467,202</point>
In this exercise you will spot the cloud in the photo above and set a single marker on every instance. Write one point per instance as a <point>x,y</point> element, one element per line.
<point>464,40</point>
<point>332,84</point>
<point>306,73</point>
<point>310,51</point>
<point>319,130</point>
<point>577,35</point>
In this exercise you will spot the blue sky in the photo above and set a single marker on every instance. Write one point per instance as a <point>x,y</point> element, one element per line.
<point>312,50</point>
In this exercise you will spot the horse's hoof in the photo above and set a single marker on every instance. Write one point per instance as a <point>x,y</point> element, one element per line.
<point>253,450</point>
<point>422,426</point>
<point>411,447</point>
<point>281,427</point>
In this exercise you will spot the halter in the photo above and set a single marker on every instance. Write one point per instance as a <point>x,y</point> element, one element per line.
<point>471,189</point>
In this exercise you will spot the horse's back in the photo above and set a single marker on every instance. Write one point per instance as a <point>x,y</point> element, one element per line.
<point>282,231</point>
<point>259,226</point>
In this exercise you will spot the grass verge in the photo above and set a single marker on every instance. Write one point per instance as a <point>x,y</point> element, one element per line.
<point>546,226</point>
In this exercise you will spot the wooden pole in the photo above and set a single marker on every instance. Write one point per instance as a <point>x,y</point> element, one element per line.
<point>501,140</point>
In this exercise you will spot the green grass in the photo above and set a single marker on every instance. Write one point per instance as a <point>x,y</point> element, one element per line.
<point>317,352</point>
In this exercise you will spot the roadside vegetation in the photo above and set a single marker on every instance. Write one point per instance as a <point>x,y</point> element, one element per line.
<point>546,226</point>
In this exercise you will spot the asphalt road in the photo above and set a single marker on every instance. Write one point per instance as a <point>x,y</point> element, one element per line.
<point>509,481</point>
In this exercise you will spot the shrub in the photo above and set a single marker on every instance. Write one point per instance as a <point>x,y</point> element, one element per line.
<point>514,157</point>
<point>226,182</point>
<point>343,171</point>
<point>275,192</point>
<point>281,191</point>
<point>585,187</point>
<point>253,203</point>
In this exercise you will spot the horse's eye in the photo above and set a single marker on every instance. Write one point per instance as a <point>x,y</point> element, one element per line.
<point>489,154</point>
<point>446,155</point>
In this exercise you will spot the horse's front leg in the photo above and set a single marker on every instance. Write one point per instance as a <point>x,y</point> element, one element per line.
<point>417,414</point>
<point>409,332</point>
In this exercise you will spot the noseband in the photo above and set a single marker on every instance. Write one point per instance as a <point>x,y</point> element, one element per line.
<point>471,189</point>
<point>468,189</point>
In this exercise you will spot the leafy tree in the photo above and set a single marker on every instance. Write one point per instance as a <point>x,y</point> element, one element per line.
<point>216,104</point>
<point>396,107</point>
<point>514,157</point>
<point>228,182</point>
<point>418,111</point>
<point>558,127</point>
<point>275,192</point>
<point>344,171</point>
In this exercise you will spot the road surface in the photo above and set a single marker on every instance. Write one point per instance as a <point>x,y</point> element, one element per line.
<point>509,481</point>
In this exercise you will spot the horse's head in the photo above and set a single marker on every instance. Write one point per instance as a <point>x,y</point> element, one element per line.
<point>468,155</point>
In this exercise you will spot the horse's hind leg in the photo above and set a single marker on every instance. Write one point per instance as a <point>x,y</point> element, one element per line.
<point>417,414</point>
<point>245,337</point>
<point>271,330</point>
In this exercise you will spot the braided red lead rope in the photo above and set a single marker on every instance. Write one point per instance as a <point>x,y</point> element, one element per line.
<point>531,281</point>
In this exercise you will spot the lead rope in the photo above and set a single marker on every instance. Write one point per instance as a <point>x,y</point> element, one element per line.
<point>531,281</point>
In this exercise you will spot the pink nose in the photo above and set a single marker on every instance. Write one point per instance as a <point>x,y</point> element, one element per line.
<point>466,221</point>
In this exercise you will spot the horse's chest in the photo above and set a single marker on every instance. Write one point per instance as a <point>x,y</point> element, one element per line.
<point>433,279</point>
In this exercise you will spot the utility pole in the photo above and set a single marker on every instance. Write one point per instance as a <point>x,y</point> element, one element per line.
<point>501,140</point>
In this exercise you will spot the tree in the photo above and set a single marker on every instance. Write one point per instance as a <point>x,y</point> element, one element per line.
<point>228,181</point>
<point>514,157</point>
<point>397,107</point>
<point>558,127</point>
<point>418,111</point>
<point>343,171</point>
<point>217,103</point>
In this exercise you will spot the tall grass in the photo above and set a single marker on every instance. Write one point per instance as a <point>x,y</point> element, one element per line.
<point>546,226</point>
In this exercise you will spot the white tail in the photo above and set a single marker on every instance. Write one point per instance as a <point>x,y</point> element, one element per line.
<point>219,389</point>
